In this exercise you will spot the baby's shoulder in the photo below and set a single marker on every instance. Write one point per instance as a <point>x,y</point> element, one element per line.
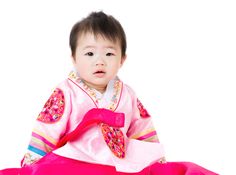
<point>129,89</point>
<point>64,87</point>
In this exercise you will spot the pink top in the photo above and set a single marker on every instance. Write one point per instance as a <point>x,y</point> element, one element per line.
<point>64,111</point>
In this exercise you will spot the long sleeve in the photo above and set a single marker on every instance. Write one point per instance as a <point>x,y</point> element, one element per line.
<point>142,127</point>
<point>50,126</point>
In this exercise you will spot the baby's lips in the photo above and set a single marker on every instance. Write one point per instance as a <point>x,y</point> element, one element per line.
<point>99,71</point>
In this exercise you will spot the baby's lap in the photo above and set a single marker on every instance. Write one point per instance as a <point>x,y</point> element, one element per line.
<point>53,164</point>
<point>10,171</point>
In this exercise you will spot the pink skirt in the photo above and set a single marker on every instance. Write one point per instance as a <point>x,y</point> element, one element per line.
<point>53,164</point>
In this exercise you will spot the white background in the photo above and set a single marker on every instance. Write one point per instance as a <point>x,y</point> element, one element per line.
<point>181,63</point>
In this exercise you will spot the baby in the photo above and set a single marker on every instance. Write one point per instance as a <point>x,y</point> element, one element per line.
<point>93,123</point>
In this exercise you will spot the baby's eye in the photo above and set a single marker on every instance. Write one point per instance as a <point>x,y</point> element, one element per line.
<point>89,54</point>
<point>109,54</point>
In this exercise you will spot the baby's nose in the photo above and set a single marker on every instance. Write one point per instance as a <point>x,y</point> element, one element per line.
<point>100,61</point>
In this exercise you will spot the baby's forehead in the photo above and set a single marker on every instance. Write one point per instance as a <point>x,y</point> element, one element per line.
<point>97,36</point>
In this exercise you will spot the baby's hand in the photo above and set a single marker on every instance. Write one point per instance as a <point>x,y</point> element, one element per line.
<point>162,160</point>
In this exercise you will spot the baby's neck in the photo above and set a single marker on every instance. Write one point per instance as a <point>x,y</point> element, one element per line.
<point>101,90</point>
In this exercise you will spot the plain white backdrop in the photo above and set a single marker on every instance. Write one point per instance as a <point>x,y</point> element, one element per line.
<point>181,63</point>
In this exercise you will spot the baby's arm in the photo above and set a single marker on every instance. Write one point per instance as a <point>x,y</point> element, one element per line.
<point>49,127</point>
<point>142,127</point>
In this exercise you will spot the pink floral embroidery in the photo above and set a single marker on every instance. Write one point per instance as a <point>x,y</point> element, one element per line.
<point>53,108</point>
<point>117,92</point>
<point>142,110</point>
<point>114,138</point>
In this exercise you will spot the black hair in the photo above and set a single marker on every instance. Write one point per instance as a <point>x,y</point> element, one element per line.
<point>98,23</point>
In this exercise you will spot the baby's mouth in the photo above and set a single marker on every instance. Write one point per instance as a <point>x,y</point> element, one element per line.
<point>99,73</point>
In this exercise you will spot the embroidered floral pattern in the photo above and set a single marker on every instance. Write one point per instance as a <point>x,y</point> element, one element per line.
<point>142,110</point>
<point>80,82</point>
<point>115,98</point>
<point>114,138</point>
<point>53,108</point>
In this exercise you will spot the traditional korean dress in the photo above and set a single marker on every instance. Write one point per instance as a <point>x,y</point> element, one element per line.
<point>81,131</point>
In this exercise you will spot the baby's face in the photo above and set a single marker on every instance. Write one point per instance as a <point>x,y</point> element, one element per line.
<point>97,60</point>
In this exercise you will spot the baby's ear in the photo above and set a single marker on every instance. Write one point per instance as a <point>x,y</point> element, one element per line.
<point>123,58</point>
<point>72,59</point>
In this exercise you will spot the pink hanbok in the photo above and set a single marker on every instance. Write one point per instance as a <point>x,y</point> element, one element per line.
<point>81,131</point>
